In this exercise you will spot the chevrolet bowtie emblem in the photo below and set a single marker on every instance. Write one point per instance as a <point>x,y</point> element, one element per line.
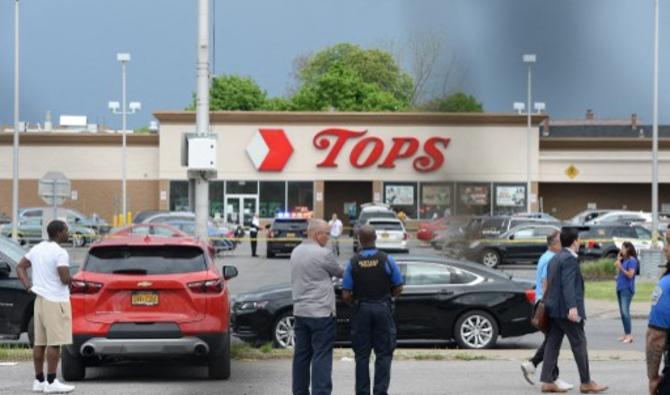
<point>144,284</point>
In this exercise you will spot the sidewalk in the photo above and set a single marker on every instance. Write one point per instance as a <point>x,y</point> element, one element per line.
<point>609,309</point>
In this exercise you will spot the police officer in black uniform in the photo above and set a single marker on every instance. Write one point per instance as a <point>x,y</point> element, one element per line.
<point>371,280</point>
<point>253,234</point>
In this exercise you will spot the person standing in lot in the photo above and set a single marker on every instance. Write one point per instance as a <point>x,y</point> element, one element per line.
<point>253,234</point>
<point>627,268</point>
<point>335,233</point>
<point>657,333</point>
<point>312,268</point>
<point>52,313</point>
<point>528,367</point>
<point>371,279</point>
<point>564,301</point>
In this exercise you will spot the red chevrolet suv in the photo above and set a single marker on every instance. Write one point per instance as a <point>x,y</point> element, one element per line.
<point>149,291</point>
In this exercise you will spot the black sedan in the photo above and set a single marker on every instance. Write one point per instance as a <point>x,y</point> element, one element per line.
<point>524,243</point>
<point>442,300</point>
<point>16,305</point>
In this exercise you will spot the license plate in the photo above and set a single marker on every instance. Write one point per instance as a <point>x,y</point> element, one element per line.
<point>144,299</point>
<point>385,235</point>
<point>290,235</point>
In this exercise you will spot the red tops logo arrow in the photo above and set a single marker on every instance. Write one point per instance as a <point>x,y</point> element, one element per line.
<point>270,149</point>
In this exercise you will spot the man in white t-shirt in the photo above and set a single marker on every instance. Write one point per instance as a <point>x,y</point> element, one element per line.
<point>335,233</point>
<point>52,313</point>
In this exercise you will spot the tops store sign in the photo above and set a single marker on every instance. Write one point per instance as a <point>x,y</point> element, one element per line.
<point>270,150</point>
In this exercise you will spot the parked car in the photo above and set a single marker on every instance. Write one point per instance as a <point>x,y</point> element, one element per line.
<point>284,234</point>
<point>426,230</point>
<point>391,234</point>
<point>370,210</point>
<point>220,240</point>
<point>620,217</point>
<point>442,300</point>
<point>587,215</point>
<point>30,232</point>
<point>524,243</point>
<point>600,241</point>
<point>72,216</point>
<point>139,297</point>
<point>538,215</point>
<point>5,219</point>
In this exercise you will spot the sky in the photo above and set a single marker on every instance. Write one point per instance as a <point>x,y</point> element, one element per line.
<point>593,54</point>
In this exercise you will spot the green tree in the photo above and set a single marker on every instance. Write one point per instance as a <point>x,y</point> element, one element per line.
<point>456,102</point>
<point>234,93</point>
<point>347,77</point>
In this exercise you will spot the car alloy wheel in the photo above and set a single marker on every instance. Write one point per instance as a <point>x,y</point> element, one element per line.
<point>477,330</point>
<point>284,331</point>
<point>490,258</point>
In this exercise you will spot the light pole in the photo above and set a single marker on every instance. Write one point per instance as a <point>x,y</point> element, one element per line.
<point>124,110</point>
<point>15,150</point>
<point>654,141</point>
<point>529,59</point>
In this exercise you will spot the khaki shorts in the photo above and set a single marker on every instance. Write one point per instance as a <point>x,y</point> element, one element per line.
<point>53,323</point>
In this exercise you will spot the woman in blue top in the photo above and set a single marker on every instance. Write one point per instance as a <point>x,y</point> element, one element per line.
<point>626,265</point>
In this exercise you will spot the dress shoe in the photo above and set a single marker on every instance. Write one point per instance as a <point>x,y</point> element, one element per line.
<point>592,388</point>
<point>553,388</point>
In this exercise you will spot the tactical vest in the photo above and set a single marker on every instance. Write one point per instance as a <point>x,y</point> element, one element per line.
<point>371,281</point>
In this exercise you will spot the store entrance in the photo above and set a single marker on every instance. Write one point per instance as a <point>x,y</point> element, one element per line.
<point>345,198</point>
<point>240,209</point>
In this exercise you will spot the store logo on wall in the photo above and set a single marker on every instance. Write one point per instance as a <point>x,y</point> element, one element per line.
<point>269,150</point>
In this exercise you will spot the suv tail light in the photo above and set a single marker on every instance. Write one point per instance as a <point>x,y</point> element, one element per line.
<point>206,287</point>
<point>84,287</point>
<point>593,244</point>
<point>405,236</point>
<point>530,296</point>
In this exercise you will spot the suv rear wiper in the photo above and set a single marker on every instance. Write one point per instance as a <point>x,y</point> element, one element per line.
<point>130,271</point>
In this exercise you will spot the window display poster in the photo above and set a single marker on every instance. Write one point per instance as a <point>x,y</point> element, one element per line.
<point>399,195</point>
<point>475,195</point>
<point>510,196</point>
<point>436,195</point>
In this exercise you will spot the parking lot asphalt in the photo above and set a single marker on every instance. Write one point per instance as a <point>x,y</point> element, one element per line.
<point>274,377</point>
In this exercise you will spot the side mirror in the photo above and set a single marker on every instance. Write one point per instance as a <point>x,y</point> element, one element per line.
<point>5,269</point>
<point>229,272</point>
<point>511,237</point>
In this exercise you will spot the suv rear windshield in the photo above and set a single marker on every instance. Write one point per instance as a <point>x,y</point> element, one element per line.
<point>375,214</point>
<point>146,260</point>
<point>289,224</point>
<point>386,225</point>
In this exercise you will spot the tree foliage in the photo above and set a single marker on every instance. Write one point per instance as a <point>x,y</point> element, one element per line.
<point>456,102</point>
<point>235,93</point>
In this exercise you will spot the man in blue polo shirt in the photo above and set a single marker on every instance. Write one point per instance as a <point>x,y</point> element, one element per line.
<point>657,333</point>
<point>371,280</point>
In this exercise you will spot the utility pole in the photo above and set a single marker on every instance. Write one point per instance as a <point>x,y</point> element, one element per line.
<point>15,152</point>
<point>202,118</point>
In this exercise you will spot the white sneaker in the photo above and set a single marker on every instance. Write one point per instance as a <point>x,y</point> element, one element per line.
<point>38,386</point>
<point>57,388</point>
<point>528,370</point>
<point>563,385</point>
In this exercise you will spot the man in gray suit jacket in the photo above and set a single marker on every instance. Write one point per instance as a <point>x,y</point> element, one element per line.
<point>564,301</point>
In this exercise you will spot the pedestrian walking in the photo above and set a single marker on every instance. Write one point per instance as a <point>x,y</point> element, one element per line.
<point>253,234</point>
<point>564,301</point>
<point>657,345</point>
<point>371,280</point>
<point>627,267</point>
<point>335,233</point>
<point>52,315</point>
<point>528,367</point>
<point>312,268</point>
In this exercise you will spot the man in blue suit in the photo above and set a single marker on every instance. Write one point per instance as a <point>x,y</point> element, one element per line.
<point>564,301</point>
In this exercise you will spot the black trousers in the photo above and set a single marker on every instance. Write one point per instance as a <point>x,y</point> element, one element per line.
<point>254,242</point>
<point>539,357</point>
<point>576,337</point>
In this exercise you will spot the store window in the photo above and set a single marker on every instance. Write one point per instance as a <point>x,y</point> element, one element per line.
<point>300,197</point>
<point>510,199</point>
<point>272,198</point>
<point>216,199</point>
<point>401,196</point>
<point>435,200</point>
<point>474,199</point>
<point>179,196</point>
<point>242,187</point>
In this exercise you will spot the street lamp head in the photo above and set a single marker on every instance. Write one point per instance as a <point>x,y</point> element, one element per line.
<point>540,106</point>
<point>114,105</point>
<point>135,106</point>
<point>519,107</point>
<point>529,58</point>
<point>123,57</point>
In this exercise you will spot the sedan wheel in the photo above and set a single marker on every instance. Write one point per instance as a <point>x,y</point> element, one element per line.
<point>78,240</point>
<point>283,334</point>
<point>490,258</point>
<point>476,330</point>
